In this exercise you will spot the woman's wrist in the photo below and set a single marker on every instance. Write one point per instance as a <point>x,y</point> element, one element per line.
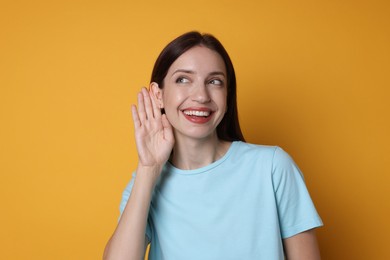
<point>148,174</point>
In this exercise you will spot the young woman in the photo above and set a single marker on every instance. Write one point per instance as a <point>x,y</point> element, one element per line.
<point>199,191</point>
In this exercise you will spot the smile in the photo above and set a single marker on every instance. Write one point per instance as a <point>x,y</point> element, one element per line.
<point>196,113</point>
<point>198,116</point>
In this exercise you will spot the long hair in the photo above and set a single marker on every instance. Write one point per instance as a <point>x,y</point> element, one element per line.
<point>229,127</point>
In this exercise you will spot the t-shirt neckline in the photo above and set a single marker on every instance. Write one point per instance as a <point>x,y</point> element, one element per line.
<point>206,168</point>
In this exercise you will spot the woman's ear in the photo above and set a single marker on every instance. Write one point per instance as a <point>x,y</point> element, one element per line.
<point>156,91</point>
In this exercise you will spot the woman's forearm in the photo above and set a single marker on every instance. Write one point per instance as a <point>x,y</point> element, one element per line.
<point>128,240</point>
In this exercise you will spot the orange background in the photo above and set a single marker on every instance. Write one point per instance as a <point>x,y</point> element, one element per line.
<point>313,78</point>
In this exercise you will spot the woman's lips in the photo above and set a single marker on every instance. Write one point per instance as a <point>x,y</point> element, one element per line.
<point>198,116</point>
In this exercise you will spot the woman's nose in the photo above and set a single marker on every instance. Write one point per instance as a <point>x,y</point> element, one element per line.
<point>201,94</point>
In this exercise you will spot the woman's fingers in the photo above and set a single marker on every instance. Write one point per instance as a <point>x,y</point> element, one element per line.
<point>168,134</point>
<point>153,132</point>
<point>136,121</point>
<point>141,107</point>
<point>148,104</point>
<point>147,109</point>
<point>156,108</point>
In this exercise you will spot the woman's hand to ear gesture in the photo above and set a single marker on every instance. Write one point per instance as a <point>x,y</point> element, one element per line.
<point>153,132</point>
<point>154,140</point>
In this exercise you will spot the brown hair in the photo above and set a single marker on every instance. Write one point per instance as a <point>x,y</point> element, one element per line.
<point>229,128</point>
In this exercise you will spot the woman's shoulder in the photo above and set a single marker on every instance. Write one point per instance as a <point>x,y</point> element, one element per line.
<point>250,152</point>
<point>272,153</point>
<point>244,147</point>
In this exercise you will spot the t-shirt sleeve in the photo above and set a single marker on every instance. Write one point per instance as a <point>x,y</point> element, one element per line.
<point>295,207</point>
<point>125,197</point>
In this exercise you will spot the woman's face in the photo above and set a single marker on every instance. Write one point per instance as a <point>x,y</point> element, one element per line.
<point>194,93</point>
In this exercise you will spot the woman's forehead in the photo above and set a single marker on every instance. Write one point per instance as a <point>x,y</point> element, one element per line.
<point>198,59</point>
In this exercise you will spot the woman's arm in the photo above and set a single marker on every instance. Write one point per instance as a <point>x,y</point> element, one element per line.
<point>302,246</point>
<point>154,140</point>
<point>128,241</point>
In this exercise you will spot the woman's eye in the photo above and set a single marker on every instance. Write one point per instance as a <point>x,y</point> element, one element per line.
<point>216,82</point>
<point>182,80</point>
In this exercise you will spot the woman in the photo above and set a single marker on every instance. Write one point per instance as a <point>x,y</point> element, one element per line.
<point>199,191</point>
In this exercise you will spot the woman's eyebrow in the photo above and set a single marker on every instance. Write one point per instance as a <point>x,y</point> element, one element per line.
<point>193,72</point>
<point>217,73</point>
<point>183,71</point>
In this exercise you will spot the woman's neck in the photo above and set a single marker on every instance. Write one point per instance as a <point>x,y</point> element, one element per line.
<point>192,154</point>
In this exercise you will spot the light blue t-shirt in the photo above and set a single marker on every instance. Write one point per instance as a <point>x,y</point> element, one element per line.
<point>239,207</point>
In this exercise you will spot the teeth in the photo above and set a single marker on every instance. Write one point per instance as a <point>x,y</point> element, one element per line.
<point>196,113</point>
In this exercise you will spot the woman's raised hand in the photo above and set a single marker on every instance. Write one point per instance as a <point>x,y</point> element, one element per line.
<point>153,132</point>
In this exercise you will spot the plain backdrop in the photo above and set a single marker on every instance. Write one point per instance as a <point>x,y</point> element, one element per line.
<point>313,78</point>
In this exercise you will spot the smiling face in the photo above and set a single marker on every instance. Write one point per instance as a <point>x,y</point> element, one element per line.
<point>194,93</point>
